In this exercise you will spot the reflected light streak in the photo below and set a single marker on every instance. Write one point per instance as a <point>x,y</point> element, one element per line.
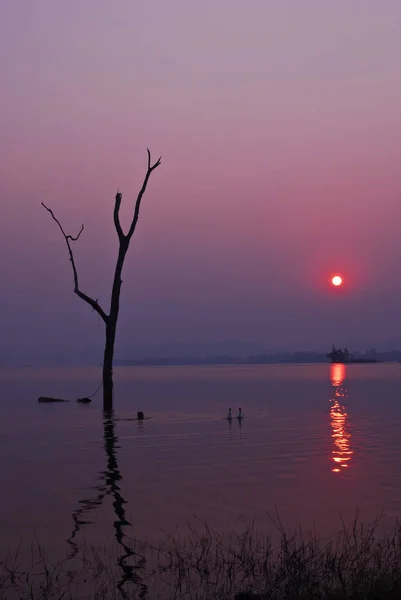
<point>341,453</point>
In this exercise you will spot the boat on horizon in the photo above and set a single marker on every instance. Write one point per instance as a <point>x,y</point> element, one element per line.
<point>345,357</point>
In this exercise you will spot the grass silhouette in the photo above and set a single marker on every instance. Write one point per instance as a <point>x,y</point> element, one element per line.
<point>360,562</point>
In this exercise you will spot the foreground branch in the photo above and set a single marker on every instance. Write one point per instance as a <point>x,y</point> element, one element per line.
<point>68,239</point>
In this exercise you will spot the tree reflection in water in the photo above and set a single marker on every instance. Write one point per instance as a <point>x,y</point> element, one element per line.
<point>109,486</point>
<point>341,453</point>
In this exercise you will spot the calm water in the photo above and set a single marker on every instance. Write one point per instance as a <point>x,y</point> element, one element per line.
<point>317,441</point>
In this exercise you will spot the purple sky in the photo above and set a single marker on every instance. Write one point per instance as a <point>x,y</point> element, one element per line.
<point>279,125</point>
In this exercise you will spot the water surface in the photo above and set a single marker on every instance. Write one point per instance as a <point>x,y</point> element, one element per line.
<point>317,441</point>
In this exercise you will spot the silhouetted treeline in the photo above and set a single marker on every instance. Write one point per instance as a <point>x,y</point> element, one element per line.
<point>338,355</point>
<point>184,360</point>
<point>259,359</point>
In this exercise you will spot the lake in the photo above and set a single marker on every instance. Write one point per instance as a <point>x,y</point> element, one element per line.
<point>317,442</point>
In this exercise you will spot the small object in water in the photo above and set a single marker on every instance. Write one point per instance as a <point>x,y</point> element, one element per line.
<point>240,414</point>
<point>140,415</point>
<point>229,416</point>
<point>84,400</point>
<point>50,399</point>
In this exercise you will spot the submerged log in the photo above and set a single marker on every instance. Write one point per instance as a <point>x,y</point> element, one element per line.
<point>84,400</point>
<point>50,399</point>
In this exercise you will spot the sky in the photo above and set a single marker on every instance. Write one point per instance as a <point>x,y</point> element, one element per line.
<point>279,126</point>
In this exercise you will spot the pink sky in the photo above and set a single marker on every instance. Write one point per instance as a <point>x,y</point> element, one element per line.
<point>279,125</point>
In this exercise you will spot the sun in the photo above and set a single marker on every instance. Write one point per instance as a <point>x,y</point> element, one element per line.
<point>337,280</point>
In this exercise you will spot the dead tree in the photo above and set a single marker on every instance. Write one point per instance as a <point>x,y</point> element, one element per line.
<point>111,318</point>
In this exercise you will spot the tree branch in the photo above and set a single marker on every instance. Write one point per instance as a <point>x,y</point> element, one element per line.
<point>68,239</point>
<point>116,216</point>
<point>151,168</point>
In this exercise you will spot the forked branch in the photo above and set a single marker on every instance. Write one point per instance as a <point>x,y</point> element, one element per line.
<point>68,239</point>
<point>149,171</point>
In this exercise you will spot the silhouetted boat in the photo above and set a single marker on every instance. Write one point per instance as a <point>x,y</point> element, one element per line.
<point>343,356</point>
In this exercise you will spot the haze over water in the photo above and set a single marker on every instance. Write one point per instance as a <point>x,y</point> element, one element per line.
<point>278,123</point>
<point>317,441</point>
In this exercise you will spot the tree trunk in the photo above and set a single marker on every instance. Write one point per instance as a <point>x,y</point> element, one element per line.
<point>108,366</point>
<point>111,327</point>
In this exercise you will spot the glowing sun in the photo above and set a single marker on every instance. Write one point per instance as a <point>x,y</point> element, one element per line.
<point>337,280</point>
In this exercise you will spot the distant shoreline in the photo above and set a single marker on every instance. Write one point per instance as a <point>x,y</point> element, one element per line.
<point>268,359</point>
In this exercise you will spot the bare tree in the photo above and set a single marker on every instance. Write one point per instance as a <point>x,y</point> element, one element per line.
<point>111,318</point>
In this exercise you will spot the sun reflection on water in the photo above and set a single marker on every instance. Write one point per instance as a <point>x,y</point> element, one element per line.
<point>341,453</point>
